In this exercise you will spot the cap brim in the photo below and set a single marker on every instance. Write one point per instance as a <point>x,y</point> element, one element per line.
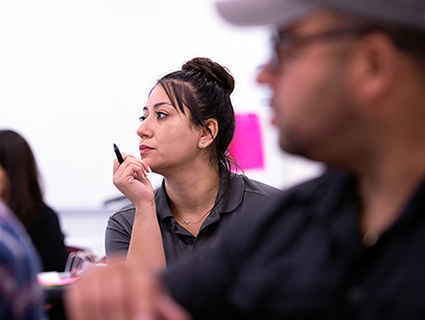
<point>264,12</point>
<point>282,13</point>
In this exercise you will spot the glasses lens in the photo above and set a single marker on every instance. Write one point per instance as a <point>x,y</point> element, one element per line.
<point>282,42</point>
<point>279,41</point>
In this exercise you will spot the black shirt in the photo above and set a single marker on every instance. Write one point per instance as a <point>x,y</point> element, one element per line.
<point>303,258</point>
<point>47,237</point>
<point>235,198</point>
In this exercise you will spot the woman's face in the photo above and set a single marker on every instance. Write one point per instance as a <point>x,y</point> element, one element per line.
<point>3,182</point>
<point>168,140</point>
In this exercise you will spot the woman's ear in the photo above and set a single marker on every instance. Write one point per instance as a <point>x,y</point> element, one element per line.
<point>208,133</point>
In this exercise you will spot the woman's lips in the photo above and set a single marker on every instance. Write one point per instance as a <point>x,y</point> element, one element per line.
<point>144,149</point>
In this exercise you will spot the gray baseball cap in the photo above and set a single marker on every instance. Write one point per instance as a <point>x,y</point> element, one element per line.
<point>282,13</point>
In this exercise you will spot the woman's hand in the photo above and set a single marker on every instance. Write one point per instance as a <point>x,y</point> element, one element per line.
<point>145,247</point>
<point>131,179</point>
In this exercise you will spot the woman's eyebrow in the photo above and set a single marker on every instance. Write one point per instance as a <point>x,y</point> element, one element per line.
<point>158,104</point>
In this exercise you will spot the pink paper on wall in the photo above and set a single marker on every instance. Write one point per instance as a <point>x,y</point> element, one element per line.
<point>247,146</point>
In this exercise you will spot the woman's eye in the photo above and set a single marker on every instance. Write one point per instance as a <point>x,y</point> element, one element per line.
<point>161,115</point>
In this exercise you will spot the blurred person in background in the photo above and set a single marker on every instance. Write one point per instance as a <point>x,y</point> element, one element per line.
<point>21,191</point>
<point>21,297</point>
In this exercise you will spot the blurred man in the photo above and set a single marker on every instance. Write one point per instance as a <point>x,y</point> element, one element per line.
<point>348,83</point>
<point>21,297</point>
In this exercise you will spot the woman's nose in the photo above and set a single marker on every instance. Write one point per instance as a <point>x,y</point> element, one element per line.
<point>144,129</point>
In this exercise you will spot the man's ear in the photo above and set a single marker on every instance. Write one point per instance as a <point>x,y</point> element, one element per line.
<point>208,133</point>
<point>373,71</point>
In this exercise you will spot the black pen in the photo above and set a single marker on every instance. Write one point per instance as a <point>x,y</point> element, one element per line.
<point>118,153</point>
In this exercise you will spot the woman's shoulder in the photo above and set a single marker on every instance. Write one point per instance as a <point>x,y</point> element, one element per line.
<point>44,208</point>
<point>256,187</point>
<point>125,213</point>
<point>45,212</point>
<point>45,220</point>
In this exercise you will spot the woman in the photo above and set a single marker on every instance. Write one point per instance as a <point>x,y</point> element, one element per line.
<point>187,125</point>
<point>20,189</point>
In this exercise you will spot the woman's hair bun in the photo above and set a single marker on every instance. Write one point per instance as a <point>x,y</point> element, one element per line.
<point>212,71</point>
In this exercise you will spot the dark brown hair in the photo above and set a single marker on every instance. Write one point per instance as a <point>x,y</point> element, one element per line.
<point>409,40</point>
<point>23,195</point>
<point>204,87</point>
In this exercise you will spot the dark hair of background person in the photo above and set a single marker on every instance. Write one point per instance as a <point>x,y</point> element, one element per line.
<point>204,87</point>
<point>23,194</point>
<point>18,161</point>
<point>410,40</point>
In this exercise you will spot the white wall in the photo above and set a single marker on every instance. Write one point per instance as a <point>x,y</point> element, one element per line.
<point>75,74</point>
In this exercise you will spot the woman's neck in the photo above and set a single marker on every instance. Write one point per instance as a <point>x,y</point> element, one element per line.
<point>192,194</point>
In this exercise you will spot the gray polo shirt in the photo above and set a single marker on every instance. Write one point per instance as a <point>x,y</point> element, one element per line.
<point>236,197</point>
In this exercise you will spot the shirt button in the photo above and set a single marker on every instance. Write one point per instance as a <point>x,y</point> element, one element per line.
<point>370,238</point>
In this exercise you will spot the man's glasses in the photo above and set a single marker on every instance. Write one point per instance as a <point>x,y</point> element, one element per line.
<point>282,42</point>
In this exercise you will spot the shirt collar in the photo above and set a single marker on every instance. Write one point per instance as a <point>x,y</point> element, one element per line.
<point>335,202</point>
<point>229,196</point>
<point>230,193</point>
